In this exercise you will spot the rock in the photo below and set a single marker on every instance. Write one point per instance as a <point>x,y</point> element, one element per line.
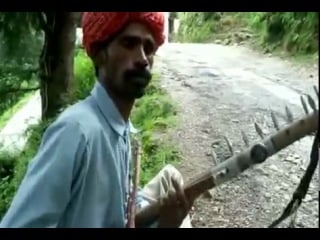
<point>216,209</point>
<point>296,156</point>
<point>215,143</point>
<point>248,36</point>
<point>227,41</point>
<point>303,168</point>
<point>291,158</point>
<point>206,130</point>
<point>185,84</point>
<point>261,170</point>
<point>295,179</point>
<point>285,186</point>
<point>286,196</point>
<point>208,194</point>
<point>208,153</point>
<point>274,168</point>
<point>245,174</point>
<point>218,41</point>
<point>277,188</point>
<point>308,198</point>
<point>266,50</point>
<point>267,194</point>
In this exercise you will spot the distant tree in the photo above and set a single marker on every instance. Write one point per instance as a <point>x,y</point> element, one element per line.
<point>42,43</point>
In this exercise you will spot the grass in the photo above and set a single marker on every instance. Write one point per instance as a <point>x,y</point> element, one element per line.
<point>153,115</point>
<point>5,117</point>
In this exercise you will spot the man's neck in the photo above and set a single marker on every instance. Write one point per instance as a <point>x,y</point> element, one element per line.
<point>124,106</point>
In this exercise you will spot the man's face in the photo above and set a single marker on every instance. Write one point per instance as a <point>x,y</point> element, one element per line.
<point>127,62</point>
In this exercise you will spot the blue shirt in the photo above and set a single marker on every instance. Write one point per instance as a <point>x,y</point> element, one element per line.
<point>80,175</point>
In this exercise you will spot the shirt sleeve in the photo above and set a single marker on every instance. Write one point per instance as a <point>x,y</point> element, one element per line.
<point>46,188</point>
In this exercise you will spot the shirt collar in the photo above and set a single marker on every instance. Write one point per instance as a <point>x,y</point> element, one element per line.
<point>110,111</point>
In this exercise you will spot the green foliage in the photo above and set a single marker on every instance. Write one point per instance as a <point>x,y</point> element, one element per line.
<point>294,32</point>
<point>21,44</point>
<point>194,27</point>
<point>84,75</point>
<point>6,165</point>
<point>21,34</point>
<point>153,115</point>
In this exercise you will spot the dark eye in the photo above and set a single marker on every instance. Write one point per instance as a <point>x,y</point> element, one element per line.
<point>149,47</point>
<point>130,42</point>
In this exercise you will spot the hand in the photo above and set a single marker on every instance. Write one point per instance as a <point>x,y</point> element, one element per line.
<point>175,207</point>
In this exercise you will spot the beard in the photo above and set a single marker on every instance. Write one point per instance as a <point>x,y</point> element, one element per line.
<point>135,83</point>
<point>130,85</point>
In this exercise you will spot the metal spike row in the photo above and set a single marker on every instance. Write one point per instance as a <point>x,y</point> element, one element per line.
<point>229,145</point>
<point>214,157</point>
<point>259,130</point>
<point>316,90</point>
<point>289,115</point>
<point>304,105</point>
<point>275,121</point>
<point>312,103</point>
<point>245,139</point>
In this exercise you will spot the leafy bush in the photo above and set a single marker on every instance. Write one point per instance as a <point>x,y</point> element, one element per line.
<point>194,27</point>
<point>294,32</point>
<point>7,165</point>
<point>21,46</point>
<point>84,76</point>
<point>153,115</point>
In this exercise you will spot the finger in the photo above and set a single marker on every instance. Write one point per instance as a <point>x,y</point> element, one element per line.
<point>181,197</point>
<point>161,201</point>
<point>172,198</point>
<point>169,199</point>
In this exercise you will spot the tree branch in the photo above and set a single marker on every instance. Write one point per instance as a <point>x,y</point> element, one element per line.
<point>43,23</point>
<point>9,69</point>
<point>13,90</point>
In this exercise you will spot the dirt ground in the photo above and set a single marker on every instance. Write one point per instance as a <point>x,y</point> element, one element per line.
<point>221,90</point>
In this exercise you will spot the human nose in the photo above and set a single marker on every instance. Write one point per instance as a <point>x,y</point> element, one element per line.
<point>141,59</point>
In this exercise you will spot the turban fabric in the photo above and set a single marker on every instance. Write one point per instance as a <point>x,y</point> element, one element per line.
<point>98,27</point>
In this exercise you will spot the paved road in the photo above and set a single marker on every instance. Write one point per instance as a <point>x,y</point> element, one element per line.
<point>12,136</point>
<point>222,90</point>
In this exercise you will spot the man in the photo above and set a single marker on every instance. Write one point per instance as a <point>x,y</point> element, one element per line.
<point>80,175</point>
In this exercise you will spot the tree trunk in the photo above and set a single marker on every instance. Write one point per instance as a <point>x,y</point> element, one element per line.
<point>56,61</point>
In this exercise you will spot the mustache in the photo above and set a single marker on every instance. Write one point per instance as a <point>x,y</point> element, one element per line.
<point>138,73</point>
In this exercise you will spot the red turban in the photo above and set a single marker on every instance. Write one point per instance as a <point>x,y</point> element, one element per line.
<point>98,27</point>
